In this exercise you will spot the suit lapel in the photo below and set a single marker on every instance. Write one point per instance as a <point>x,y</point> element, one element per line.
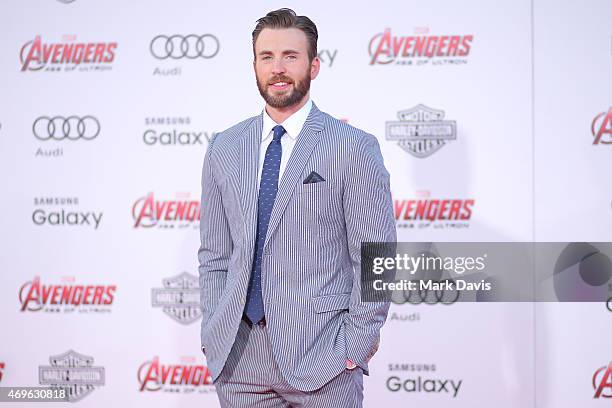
<point>249,159</point>
<point>304,145</point>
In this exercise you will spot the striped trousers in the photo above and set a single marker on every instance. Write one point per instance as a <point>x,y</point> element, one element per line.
<point>251,378</point>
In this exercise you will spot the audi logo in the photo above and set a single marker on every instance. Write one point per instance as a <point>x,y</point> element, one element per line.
<point>71,127</point>
<point>190,46</point>
<point>430,297</point>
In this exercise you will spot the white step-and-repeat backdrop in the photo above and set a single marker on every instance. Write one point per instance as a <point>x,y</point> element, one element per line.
<point>106,109</point>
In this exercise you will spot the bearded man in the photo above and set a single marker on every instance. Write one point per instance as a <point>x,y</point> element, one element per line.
<point>288,196</point>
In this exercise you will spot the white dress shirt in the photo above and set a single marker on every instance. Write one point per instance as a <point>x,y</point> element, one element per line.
<point>293,126</point>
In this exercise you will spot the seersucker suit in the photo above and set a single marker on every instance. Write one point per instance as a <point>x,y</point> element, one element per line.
<point>310,270</point>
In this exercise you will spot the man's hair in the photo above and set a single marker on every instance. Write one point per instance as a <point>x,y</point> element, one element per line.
<point>286,18</point>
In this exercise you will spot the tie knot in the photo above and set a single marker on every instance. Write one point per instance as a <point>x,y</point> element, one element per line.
<point>279,131</point>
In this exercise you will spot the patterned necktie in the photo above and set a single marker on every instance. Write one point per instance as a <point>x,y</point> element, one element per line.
<point>268,188</point>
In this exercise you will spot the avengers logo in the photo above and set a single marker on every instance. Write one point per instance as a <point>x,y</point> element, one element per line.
<point>190,46</point>
<point>601,128</point>
<point>71,128</point>
<point>154,376</point>
<point>179,298</point>
<point>421,131</point>
<point>74,372</point>
<point>433,209</point>
<point>602,382</point>
<point>385,48</point>
<point>34,297</point>
<point>36,55</point>
<point>149,212</point>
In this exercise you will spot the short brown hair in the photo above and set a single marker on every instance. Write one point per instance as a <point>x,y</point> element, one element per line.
<point>286,18</point>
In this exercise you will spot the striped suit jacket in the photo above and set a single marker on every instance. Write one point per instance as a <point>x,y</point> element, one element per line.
<point>311,256</point>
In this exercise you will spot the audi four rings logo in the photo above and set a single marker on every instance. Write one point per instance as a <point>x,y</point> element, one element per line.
<point>189,46</point>
<point>430,297</point>
<point>71,127</point>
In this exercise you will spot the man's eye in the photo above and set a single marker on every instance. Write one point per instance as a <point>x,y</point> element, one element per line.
<point>267,57</point>
<point>292,57</point>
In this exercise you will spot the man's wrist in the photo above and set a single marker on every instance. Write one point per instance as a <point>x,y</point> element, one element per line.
<point>350,365</point>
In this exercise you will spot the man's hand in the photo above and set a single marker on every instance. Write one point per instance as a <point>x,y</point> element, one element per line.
<point>349,363</point>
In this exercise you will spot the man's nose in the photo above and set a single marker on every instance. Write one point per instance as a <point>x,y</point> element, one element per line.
<point>278,66</point>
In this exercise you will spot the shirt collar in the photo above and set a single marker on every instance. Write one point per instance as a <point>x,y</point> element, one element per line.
<point>293,124</point>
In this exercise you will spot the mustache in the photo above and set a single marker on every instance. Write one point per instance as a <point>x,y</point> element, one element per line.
<point>280,78</point>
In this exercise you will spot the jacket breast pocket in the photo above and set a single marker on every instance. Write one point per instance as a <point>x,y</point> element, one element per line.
<point>316,188</point>
<point>320,202</point>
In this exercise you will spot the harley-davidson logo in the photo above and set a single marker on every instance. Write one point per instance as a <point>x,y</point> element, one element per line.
<point>74,372</point>
<point>179,298</point>
<point>421,131</point>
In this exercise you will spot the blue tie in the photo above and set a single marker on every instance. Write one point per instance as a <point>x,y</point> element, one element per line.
<point>267,193</point>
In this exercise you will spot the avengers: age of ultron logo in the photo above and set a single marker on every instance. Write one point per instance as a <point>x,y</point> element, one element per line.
<point>602,382</point>
<point>182,212</point>
<point>421,48</point>
<point>66,297</point>
<point>66,55</point>
<point>601,128</point>
<point>186,377</point>
<point>436,213</point>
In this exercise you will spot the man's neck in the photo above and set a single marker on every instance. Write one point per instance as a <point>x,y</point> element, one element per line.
<point>279,115</point>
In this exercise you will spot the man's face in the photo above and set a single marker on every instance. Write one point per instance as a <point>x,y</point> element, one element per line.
<point>282,68</point>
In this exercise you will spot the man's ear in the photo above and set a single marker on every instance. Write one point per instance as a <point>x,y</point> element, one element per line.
<point>315,66</point>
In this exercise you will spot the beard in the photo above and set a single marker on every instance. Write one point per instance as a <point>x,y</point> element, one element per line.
<point>288,98</point>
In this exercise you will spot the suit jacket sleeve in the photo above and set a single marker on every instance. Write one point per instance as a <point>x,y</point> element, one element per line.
<point>368,212</point>
<point>216,243</point>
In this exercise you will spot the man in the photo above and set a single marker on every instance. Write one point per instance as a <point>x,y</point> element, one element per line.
<point>288,197</point>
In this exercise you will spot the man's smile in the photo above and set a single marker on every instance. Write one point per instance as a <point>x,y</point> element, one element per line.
<point>280,85</point>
